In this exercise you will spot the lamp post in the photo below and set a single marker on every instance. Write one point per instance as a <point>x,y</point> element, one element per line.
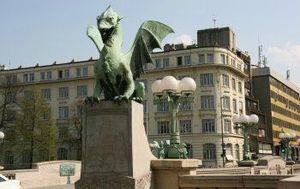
<point>223,155</point>
<point>174,92</point>
<point>286,138</point>
<point>245,122</point>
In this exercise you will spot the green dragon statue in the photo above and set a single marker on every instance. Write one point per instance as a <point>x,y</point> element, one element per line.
<point>115,72</point>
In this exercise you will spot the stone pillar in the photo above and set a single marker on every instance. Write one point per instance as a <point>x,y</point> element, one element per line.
<point>115,149</point>
<point>166,172</point>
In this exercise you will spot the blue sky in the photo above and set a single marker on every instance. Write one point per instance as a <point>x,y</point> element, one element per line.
<point>44,31</point>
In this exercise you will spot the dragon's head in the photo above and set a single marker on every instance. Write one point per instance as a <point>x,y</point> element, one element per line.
<point>107,23</point>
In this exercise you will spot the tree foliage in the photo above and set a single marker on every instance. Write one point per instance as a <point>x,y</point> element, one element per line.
<point>35,128</point>
<point>9,89</point>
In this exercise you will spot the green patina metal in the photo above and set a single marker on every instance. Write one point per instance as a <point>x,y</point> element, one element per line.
<point>174,148</point>
<point>115,72</point>
<point>246,127</point>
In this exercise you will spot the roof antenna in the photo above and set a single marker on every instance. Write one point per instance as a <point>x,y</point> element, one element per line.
<point>214,20</point>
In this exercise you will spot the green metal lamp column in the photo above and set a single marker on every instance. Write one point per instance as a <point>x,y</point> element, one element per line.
<point>246,151</point>
<point>176,149</point>
<point>175,132</point>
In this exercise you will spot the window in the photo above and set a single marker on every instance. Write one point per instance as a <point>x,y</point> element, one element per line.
<point>163,107</point>
<point>187,60</point>
<point>67,73</point>
<point>26,158</point>
<point>234,105</point>
<point>157,63</point>
<point>233,84</point>
<point>49,75</point>
<point>31,77</point>
<point>46,93</point>
<point>60,74</point>
<point>210,58</point>
<point>228,149</point>
<point>240,87</point>
<point>185,126</point>
<point>63,92</point>
<point>163,127</point>
<point>241,107</point>
<point>63,112</point>
<point>11,96</point>
<point>223,59</point>
<point>209,151</point>
<point>43,76</point>
<point>63,132</point>
<point>28,94</point>
<point>78,72</point>
<point>206,79</point>
<point>9,158</point>
<point>225,78</point>
<point>166,62</point>
<point>207,102</point>
<point>179,61</point>
<point>85,71</point>
<point>82,90</point>
<point>226,103</point>
<point>239,66</point>
<point>237,152</point>
<point>201,58</point>
<point>25,77</point>
<point>185,105</point>
<point>45,115</point>
<point>233,62</point>
<point>208,125</point>
<point>227,126</point>
<point>79,110</point>
<point>261,133</point>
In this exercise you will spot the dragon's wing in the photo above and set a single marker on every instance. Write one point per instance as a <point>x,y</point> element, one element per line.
<point>95,36</point>
<point>149,37</point>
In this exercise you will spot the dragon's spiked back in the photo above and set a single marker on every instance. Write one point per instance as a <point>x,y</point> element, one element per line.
<point>149,37</point>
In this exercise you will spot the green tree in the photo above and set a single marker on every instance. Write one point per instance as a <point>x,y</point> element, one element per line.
<point>35,129</point>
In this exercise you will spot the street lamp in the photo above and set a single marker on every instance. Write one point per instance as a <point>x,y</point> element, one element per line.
<point>245,122</point>
<point>286,138</point>
<point>1,136</point>
<point>174,92</point>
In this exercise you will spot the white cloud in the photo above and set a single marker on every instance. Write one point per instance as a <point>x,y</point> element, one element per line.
<point>184,38</point>
<point>288,54</point>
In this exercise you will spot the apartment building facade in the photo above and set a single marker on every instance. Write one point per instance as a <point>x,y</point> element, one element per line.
<point>219,75</point>
<point>281,103</point>
<point>64,87</point>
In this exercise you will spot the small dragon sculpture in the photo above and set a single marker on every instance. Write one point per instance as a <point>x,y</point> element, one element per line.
<point>116,72</point>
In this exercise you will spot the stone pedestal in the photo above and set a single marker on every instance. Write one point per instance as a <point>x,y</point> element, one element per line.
<point>166,172</point>
<point>115,149</point>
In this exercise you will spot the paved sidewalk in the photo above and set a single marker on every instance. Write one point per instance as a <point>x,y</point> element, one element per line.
<point>66,186</point>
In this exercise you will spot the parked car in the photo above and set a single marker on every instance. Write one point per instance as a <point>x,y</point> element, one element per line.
<point>5,183</point>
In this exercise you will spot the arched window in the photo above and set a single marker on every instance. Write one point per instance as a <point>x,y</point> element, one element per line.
<point>237,152</point>
<point>209,151</point>
<point>62,154</point>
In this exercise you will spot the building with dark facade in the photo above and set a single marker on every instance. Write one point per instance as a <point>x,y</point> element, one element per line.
<point>280,102</point>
